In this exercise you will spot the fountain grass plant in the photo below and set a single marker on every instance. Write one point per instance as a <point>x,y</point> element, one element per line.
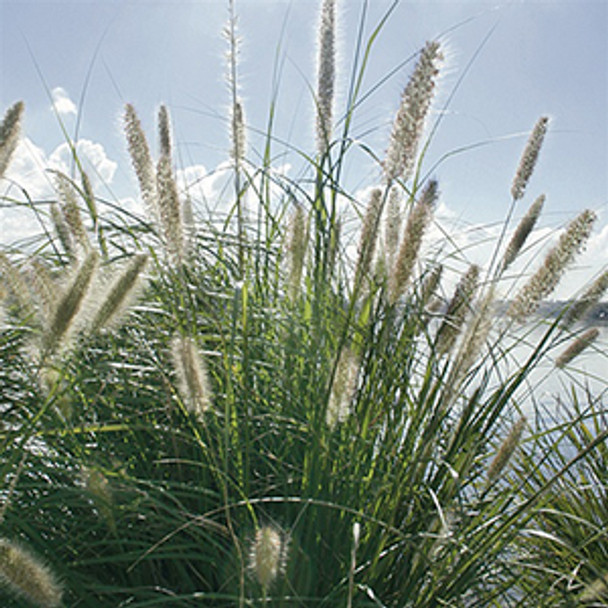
<point>268,424</point>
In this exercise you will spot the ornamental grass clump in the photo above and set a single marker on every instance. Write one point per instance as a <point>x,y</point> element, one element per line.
<point>331,364</point>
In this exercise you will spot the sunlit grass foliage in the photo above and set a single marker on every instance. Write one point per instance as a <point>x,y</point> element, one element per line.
<point>239,411</point>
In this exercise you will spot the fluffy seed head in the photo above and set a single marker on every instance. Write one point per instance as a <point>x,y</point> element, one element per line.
<point>120,292</point>
<point>417,222</point>
<point>326,73</point>
<point>529,158</point>
<point>71,211</point>
<point>591,297</point>
<point>15,285</point>
<point>268,555</point>
<point>141,159</point>
<point>343,388</point>
<point>458,307</point>
<point>164,131</point>
<point>409,122</point>
<point>392,225</point>
<point>9,134</point>
<point>296,249</point>
<point>238,133</point>
<point>523,230</point>
<point>70,303</point>
<point>577,347</point>
<point>170,209</point>
<point>506,450</point>
<point>26,576</point>
<point>546,278</point>
<point>369,235</point>
<point>192,375</point>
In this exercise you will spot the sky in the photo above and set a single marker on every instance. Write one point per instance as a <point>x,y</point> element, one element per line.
<point>506,64</point>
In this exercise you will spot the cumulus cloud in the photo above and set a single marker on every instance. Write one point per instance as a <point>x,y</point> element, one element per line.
<point>93,157</point>
<point>29,178</point>
<point>62,103</point>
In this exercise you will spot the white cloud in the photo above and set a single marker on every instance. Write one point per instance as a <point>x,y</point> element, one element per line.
<point>62,103</point>
<point>28,177</point>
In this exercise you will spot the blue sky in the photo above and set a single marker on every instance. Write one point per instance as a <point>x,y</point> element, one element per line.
<point>540,57</point>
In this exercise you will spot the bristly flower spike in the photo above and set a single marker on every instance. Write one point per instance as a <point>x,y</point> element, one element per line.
<point>192,375</point>
<point>409,122</point>
<point>417,222</point>
<point>523,230</point>
<point>529,158</point>
<point>546,278</point>
<point>369,235</point>
<point>392,225</point>
<point>343,388</point>
<point>457,310</point>
<point>268,555</point>
<point>164,131</point>
<point>70,303</point>
<point>120,292</point>
<point>296,249</point>
<point>9,134</point>
<point>506,450</point>
<point>141,159</point>
<point>577,347</point>
<point>326,73</point>
<point>26,576</point>
<point>170,209</point>
<point>591,297</point>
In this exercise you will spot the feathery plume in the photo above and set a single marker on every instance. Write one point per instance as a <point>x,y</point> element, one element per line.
<point>523,230</point>
<point>506,450</point>
<point>26,576</point>
<point>43,286</point>
<point>458,307</point>
<point>268,555</point>
<point>326,73</point>
<point>120,292</point>
<point>591,297</point>
<point>528,158</point>
<point>89,196</point>
<point>164,131</point>
<point>546,278</point>
<point>71,211</point>
<point>192,375</point>
<point>141,159</point>
<point>342,388</point>
<point>430,284</point>
<point>296,249</point>
<point>170,209</point>
<point>577,347</point>
<point>392,225</point>
<point>417,222</point>
<point>369,235</point>
<point>239,141</point>
<point>16,285</point>
<point>9,134</point>
<point>63,232</point>
<point>70,303</point>
<point>409,122</point>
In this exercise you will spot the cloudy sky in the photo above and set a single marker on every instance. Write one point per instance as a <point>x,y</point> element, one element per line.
<point>507,63</point>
